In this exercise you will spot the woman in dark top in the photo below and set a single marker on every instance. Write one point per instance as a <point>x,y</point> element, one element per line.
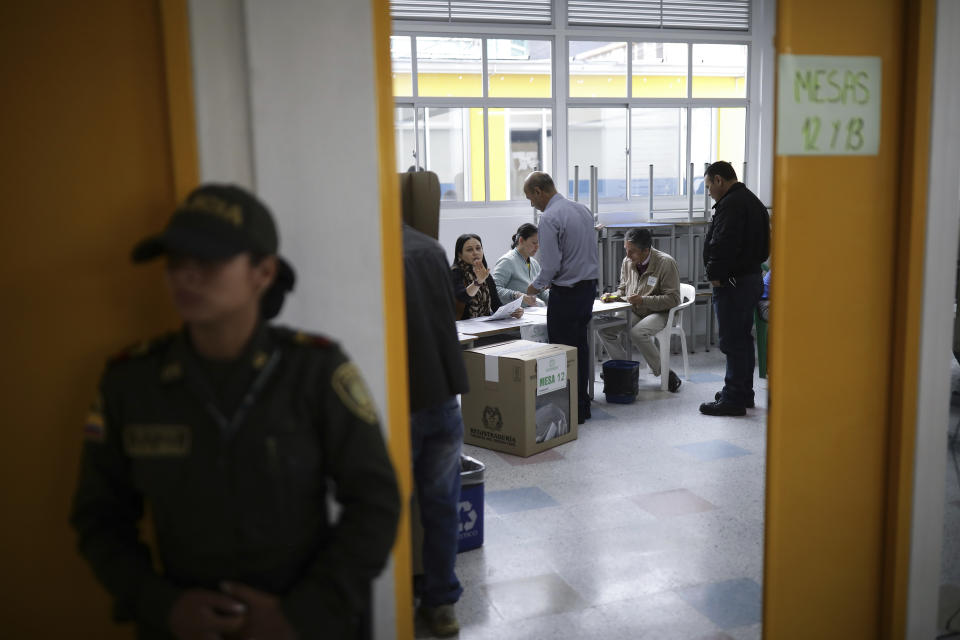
<point>473,285</point>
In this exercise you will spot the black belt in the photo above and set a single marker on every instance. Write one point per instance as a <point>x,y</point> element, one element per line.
<point>582,283</point>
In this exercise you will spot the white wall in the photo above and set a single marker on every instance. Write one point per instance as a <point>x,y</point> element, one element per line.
<point>218,43</point>
<point>939,282</point>
<point>763,56</point>
<point>286,104</point>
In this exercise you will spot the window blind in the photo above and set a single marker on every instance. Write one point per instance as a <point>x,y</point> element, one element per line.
<point>728,15</point>
<point>515,11</point>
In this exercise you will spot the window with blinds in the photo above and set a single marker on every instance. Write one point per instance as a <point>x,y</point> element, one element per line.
<point>728,15</point>
<point>453,11</point>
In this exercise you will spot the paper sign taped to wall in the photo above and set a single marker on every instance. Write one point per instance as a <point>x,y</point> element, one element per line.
<point>551,373</point>
<point>828,105</point>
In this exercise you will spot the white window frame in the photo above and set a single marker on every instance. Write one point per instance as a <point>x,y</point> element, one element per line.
<point>629,102</point>
<point>483,102</point>
<point>559,34</point>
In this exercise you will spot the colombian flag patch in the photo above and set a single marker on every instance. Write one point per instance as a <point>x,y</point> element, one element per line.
<point>94,428</point>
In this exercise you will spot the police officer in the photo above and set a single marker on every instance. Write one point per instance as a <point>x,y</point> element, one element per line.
<point>232,430</point>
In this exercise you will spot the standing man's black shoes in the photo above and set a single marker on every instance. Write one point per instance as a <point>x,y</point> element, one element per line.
<point>673,382</point>
<point>583,415</point>
<point>719,408</point>
<point>749,404</point>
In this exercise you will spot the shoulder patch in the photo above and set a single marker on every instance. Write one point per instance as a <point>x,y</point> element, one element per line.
<point>140,349</point>
<point>310,339</point>
<point>352,391</point>
<point>94,427</point>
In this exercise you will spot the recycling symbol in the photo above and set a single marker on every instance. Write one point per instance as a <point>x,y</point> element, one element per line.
<point>471,516</point>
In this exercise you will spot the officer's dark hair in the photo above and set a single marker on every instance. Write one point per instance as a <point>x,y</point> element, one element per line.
<point>462,240</point>
<point>640,238</point>
<point>272,300</point>
<point>721,168</point>
<point>541,180</point>
<point>524,232</point>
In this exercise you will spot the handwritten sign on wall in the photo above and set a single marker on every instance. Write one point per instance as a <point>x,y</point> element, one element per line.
<point>828,105</point>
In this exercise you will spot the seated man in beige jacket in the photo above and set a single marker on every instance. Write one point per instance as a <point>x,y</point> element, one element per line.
<point>650,281</point>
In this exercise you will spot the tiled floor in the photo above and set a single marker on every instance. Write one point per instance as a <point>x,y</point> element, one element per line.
<point>950,572</point>
<point>649,525</point>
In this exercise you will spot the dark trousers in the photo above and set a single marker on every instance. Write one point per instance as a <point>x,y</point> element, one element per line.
<point>568,318</point>
<point>436,436</point>
<point>734,305</point>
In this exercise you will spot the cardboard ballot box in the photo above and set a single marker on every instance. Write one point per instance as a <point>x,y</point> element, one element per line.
<point>523,396</point>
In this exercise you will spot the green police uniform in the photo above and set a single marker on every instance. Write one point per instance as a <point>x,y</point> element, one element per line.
<point>235,462</point>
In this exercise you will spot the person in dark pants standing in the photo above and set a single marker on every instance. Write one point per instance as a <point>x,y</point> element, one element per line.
<point>569,264</point>
<point>437,375</point>
<point>737,242</point>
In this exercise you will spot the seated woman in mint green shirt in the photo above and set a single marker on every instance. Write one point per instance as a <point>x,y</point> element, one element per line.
<point>517,268</point>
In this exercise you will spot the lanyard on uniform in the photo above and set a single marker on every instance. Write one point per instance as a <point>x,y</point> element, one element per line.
<point>231,426</point>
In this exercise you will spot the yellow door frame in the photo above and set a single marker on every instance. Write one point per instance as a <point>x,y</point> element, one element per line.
<point>847,253</point>
<point>847,250</point>
<point>395,327</point>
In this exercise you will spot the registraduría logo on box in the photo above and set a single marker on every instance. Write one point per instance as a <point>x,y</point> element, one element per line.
<point>492,419</point>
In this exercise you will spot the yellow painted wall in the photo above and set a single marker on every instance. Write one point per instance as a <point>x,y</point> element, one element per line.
<point>395,329</point>
<point>719,87</point>
<point>88,168</point>
<point>581,86</point>
<point>592,86</point>
<point>498,155</point>
<point>478,188</point>
<point>450,84</point>
<point>730,135</point>
<point>659,86</point>
<point>838,344</point>
<point>506,85</point>
<point>731,132</point>
<point>920,32</point>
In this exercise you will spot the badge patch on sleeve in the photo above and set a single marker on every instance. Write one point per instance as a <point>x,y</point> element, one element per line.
<point>156,440</point>
<point>350,388</point>
<point>94,428</point>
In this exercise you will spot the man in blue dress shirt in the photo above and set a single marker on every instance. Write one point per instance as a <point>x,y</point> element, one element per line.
<point>569,265</point>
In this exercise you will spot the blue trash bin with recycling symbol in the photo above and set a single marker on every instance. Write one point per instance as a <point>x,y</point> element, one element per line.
<point>471,504</point>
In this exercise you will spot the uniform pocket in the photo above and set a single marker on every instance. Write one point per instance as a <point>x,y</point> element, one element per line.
<point>158,453</point>
<point>293,465</point>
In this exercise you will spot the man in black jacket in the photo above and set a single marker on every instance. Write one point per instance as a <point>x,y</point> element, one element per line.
<point>437,375</point>
<point>738,241</point>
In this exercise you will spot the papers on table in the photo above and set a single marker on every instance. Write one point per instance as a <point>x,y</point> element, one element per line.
<point>504,311</point>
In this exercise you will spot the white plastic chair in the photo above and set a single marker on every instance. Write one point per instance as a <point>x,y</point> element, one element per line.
<point>674,327</point>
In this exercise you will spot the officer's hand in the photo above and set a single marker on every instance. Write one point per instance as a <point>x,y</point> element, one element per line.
<point>199,614</point>
<point>530,301</point>
<point>264,619</point>
<point>635,299</point>
<point>518,313</point>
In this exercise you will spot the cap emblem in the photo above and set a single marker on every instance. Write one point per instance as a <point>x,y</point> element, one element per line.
<point>215,206</point>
